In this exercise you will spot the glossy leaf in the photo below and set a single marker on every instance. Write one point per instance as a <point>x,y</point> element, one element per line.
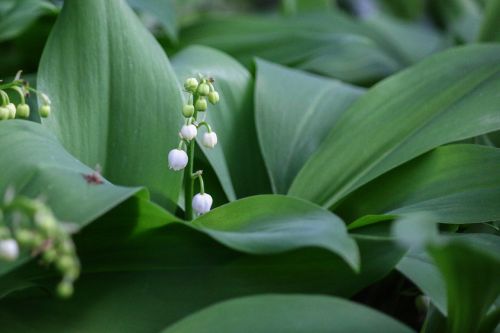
<point>36,165</point>
<point>294,313</point>
<point>115,97</point>
<point>294,113</point>
<point>273,224</point>
<point>448,97</point>
<point>456,184</point>
<point>171,271</point>
<point>236,159</point>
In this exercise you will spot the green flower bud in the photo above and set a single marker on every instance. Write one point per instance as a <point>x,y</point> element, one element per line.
<point>49,255</point>
<point>44,111</point>
<point>65,263</point>
<point>213,97</point>
<point>4,113</point>
<point>12,110</point>
<point>65,289</point>
<point>23,110</point>
<point>203,89</point>
<point>188,110</point>
<point>201,104</point>
<point>25,237</point>
<point>191,84</point>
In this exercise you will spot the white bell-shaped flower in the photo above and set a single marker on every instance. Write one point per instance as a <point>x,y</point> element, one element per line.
<point>189,132</point>
<point>209,139</point>
<point>202,202</point>
<point>177,159</point>
<point>9,250</point>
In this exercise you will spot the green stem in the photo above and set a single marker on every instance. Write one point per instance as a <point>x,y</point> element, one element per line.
<point>188,171</point>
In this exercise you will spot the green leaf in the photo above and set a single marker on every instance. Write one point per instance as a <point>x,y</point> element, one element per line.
<point>470,265</point>
<point>17,15</point>
<point>171,271</point>
<point>462,18</point>
<point>455,183</point>
<point>272,224</point>
<point>115,97</point>
<point>35,164</point>
<point>294,313</point>
<point>448,97</point>
<point>294,113</point>
<point>489,28</point>
<point>236,159</point>
<point>163,11</point>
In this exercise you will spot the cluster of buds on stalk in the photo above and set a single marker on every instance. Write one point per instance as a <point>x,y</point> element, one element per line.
<point>28,225</point>
<point>199,92</point>
<point>21,88</point>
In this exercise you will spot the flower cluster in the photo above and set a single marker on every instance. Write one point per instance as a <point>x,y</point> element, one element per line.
<point>28,224</point>
<point>21,88</point>
<point>200,90</point>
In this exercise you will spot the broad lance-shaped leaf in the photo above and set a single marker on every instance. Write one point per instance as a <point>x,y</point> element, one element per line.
<point>171,271</point>
<point>455,183</point>
<point>35,164</point>
<point>272,224</point>
<point>294,113</point>
<point>448,97</point>
<point>115,97</point>
<point>489,31</point>
<point>236,159</point>
<point>285,314</point>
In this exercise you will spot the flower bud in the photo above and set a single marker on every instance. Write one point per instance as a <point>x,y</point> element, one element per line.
<point>177,159</point>
<point>4,113</point>
<point>23,110</point>
<point>201,104</point>
<point>9,250</point>
<point>189,132</point>
<point>65,263</point>
<point>202,203</point>
<point>44,111</point>
<point>12,110</point>
<point>65,289</point>
<point>203,89</point>
<point>213,97</point>
<point>191,84</point>
<point>209,139</point>
<point>188,110</point>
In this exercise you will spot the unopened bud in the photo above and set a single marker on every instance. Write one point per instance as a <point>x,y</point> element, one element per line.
<point>23,110</point>
<point>213,97</point>
<point>44,111</point>
<point>12,110</point>
<point>188,110</point>
<point>65,289</point>
<point>4,113</point>
<point>203,89</point>
<point>201,104</point>
<point>191,84</point>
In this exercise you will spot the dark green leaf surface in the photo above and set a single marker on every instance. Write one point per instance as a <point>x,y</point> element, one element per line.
<point>236,159</point>
<point>490,31</point>
<point>115,97</point>
<point>294,113</point>
<point>456,184</point>
<point>448,97</point>
<point>288,314</point>
<point>272,224</point>
<point>169,272</point>
<point>36,165</point>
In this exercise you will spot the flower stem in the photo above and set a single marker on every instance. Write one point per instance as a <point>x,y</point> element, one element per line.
<point>188,171</point>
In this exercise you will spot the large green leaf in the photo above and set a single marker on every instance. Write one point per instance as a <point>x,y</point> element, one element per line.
<point>294,113</point>
<point>236,159</point>
<point>171,271</point>
<point>294,313</point>
<point>489,28</point>
<point>115,97</point>
<point>456,183</point>
<point>448,97</point>
<point>17,15</point>
<point>163,11</point>
<point>272,224</point>
<point>36,165</point>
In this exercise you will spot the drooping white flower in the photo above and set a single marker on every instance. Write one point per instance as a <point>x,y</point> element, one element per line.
<point>189,132</point>
<point>177,159</point>
<point>9,250</point>
<point>202,202</point>
<point>209,139</point>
